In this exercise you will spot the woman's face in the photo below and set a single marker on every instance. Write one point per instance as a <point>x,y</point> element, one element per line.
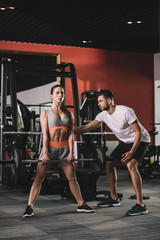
<point>58,95</point>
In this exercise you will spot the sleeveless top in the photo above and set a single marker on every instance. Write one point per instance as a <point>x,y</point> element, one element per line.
<point>55,122</point>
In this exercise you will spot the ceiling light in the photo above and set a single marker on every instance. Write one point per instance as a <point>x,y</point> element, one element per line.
<point>6,8</point>
<point>12,8</point>
<point>129,22</point>
<point>86,41</point>
<point>138,21</point>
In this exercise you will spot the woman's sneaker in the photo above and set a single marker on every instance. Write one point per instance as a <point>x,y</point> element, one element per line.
<point>109,203</point>
<point>28,212</point>
<point>85,208</point>
<point>137,210</point>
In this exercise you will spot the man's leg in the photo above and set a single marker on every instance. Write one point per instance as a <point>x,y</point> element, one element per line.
<point>111,163</point>
<point>112,181</point>
<point>136,179</point>
<point>139,208</point>
<point>112,178</point>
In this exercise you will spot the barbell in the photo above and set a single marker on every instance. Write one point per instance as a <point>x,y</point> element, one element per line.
<point>12,161</point>
<point>16,162</point>
<point>7,161</point>
<point>40,133</point>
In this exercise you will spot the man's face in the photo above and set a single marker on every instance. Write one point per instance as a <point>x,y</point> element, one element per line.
<point>102,103</point>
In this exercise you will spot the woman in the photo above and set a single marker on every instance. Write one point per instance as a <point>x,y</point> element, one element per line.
<point>58,143</point>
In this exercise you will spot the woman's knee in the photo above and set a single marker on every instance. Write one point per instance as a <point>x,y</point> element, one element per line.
<point>40,175</point>
<point>69,171</point>
<point>39,178</point>
<point>71,177</point>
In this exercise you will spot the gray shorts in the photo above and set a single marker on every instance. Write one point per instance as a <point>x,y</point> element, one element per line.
<point>58,153</point>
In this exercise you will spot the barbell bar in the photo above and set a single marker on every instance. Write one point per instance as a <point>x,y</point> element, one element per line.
<point>17,163</point>
<point>22,133</point>
<point>7,161</point>
<point>40,133</point>
<point>12,161</point>
<point>57,160</point>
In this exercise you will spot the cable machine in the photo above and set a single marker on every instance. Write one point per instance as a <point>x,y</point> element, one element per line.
<point>11,139</point>
<point>15,164</point>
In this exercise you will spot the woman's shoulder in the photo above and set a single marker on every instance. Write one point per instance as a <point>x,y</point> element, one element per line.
<point>44,112</point>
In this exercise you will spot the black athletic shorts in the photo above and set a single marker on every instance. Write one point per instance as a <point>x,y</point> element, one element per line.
<point>126,147</point>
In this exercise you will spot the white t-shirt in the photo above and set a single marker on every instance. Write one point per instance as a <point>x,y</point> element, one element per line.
<point>119,123</point>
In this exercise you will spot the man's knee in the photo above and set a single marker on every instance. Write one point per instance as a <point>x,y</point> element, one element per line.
<point>132,165</point>
<point>110,163</point>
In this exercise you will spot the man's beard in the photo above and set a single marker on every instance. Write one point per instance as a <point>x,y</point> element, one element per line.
<point>106,108</point>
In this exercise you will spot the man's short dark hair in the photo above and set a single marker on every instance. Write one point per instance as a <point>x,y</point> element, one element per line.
<point>106,94</point>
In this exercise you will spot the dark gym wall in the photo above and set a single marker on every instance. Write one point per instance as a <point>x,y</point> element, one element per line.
<point>129,75</point>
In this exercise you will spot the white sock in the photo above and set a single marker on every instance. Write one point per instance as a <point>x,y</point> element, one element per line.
<point>141,205</point>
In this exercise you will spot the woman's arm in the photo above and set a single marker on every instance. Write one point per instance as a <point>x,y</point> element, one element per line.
<point>44,126</point>
<point>71,141</point>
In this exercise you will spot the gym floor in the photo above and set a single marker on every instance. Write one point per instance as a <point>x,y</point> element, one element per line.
<point>56,218</point>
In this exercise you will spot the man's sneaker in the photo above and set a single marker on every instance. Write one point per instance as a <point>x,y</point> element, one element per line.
<point>28,212</point>
<point>85,208</point>
<point>137,210</point>
<point>109,203</point>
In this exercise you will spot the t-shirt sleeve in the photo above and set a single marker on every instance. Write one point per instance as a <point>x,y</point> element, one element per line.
<point>130,116</point>
<point>99,117</point>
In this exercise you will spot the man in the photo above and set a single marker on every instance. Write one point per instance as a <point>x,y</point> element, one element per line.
<point>134,142</point>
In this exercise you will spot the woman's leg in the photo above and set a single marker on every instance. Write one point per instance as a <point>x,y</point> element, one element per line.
<point>69,170</point>
<point>41,172</point>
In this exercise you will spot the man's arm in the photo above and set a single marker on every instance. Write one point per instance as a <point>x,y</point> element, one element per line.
<point>88,127</point>
<point>136,128</point>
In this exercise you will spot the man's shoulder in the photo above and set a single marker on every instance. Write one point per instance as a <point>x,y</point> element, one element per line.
<point>102,113</point>
<point>126,111</point>
<point>123,107</point>
<point>100,116</point>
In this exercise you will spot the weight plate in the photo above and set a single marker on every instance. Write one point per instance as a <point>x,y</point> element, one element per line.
<point>100,158</point>
<point>15,155</point>
<point>99,163</point>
